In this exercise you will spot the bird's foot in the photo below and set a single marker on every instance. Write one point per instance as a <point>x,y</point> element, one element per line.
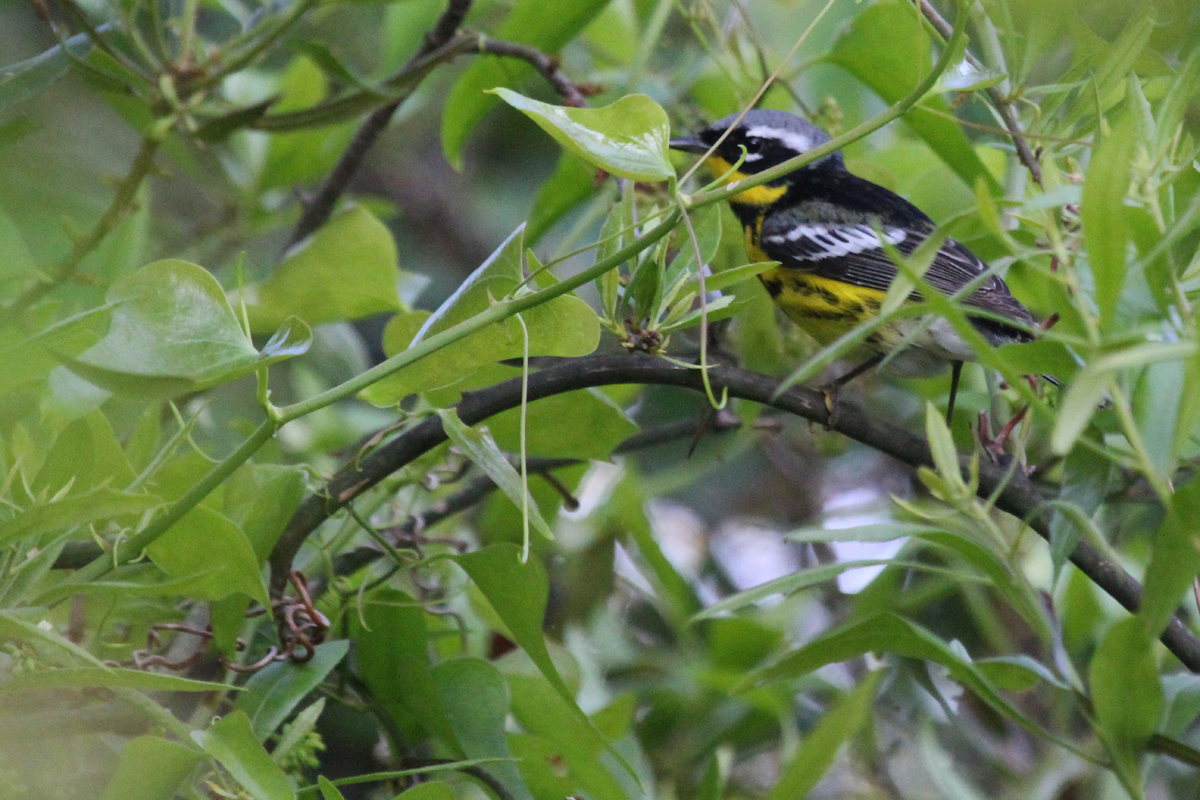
<point>994,445</point>
<point>830,392</point>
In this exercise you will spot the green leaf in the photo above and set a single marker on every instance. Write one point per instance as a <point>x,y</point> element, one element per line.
<point>564,326</point>
<point>1156,405</point>
<point>13,625</point>
<point>328,790</point>
<point>476,698</point>
<point>74,511</point>
<point>732,277</point>
<point>886,48</point>
<point>294,157</point>
<point>1175,561</point>
<point>295,735</point>
<point>85,454</point>
<point>392,653</point>
<point>821,745</point>
<point>787,584</point>
<point>571,183</point>
<point>1126,694</point>
<point>172,331</point>
<point>681,274</point>
<point>26,79</point>
<point>1105,223</point>
<point>434,790</point>
<point>481,449</point>
<point>1089,387</point>
<point>260,499</point>
<point>1084,484</point>
<point>272,693</point>
<point>232,742</point>
<point>888,633</point>
<point>81,677</point>
<point>1018,673</point>
<point>528,22</point>
<point>874,532</point>
<point>1042,357</point>
<point>582,424</point>
<point>518,593</point>
<point>204,544</point>
<point>347,270</point>
<point>150,768</point>
<point>627,138</point>
<point>618,230</point>
<point>541,710</point>
<point>19,262</point>
<point>941,445</point>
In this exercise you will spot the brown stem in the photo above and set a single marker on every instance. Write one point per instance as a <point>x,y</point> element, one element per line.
<point>547,66</point>
<point>478,489</point>
<point>1015,494</point>
<point>1002,104</point>
<point>318,209</point>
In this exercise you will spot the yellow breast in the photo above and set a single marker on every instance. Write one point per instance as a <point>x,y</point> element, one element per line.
<point>824,308</point>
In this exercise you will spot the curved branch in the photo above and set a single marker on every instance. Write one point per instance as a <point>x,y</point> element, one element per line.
<point>317,211</point>
<point>1001,103</point>
<point>1017,495</point>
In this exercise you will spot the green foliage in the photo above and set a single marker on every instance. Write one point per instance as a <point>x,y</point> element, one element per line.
<point>201,594</point>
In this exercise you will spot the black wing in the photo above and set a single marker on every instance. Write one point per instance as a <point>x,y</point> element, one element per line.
<point>854,253</point>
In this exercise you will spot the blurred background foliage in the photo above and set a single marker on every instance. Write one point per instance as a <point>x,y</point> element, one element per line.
<point>630,656</point>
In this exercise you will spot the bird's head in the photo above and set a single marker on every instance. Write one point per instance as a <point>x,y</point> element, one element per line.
<point>769,138</point>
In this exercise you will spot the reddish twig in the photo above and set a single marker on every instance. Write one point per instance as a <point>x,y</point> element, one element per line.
<point>1002,104</point>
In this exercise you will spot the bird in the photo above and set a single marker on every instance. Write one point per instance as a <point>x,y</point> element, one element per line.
<point>828,228</point>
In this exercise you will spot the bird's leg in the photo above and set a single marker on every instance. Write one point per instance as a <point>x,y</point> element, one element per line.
<point>994,445</point>
<point>831,389</point>
<point>955,374</point>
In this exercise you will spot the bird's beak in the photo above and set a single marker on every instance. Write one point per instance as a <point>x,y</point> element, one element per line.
<point>689,144</point>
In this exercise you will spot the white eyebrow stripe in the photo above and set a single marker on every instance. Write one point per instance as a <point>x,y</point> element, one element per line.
<point>793,139</point>
<point>839,240</point>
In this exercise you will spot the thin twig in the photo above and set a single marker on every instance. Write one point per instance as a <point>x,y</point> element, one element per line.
<point>547,66</point>
<point>478,489</point>
<point>319,208</point>
<point>122,203</point>
<point>1019,497</point>
<point>1002,104</point>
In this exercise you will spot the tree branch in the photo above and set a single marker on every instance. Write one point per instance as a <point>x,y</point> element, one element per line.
<point>548,67</point>
<point>318,209</point>
<point>1017,495</point>
<point>1001,103</point>
<point>479,488</point>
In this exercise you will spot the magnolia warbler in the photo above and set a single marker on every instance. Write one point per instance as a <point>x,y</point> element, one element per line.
<point>827,228</point>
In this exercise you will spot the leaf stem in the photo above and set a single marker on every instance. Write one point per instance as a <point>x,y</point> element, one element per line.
<point>498,312</point>
<point>132,548</point>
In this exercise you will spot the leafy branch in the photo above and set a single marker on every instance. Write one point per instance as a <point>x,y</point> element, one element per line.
<point>1010,490</point>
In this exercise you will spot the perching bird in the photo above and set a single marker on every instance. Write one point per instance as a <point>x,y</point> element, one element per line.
<point>827,227</point>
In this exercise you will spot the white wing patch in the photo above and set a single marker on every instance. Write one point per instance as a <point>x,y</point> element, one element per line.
<point>835,241</point>
<point>792,139</point>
